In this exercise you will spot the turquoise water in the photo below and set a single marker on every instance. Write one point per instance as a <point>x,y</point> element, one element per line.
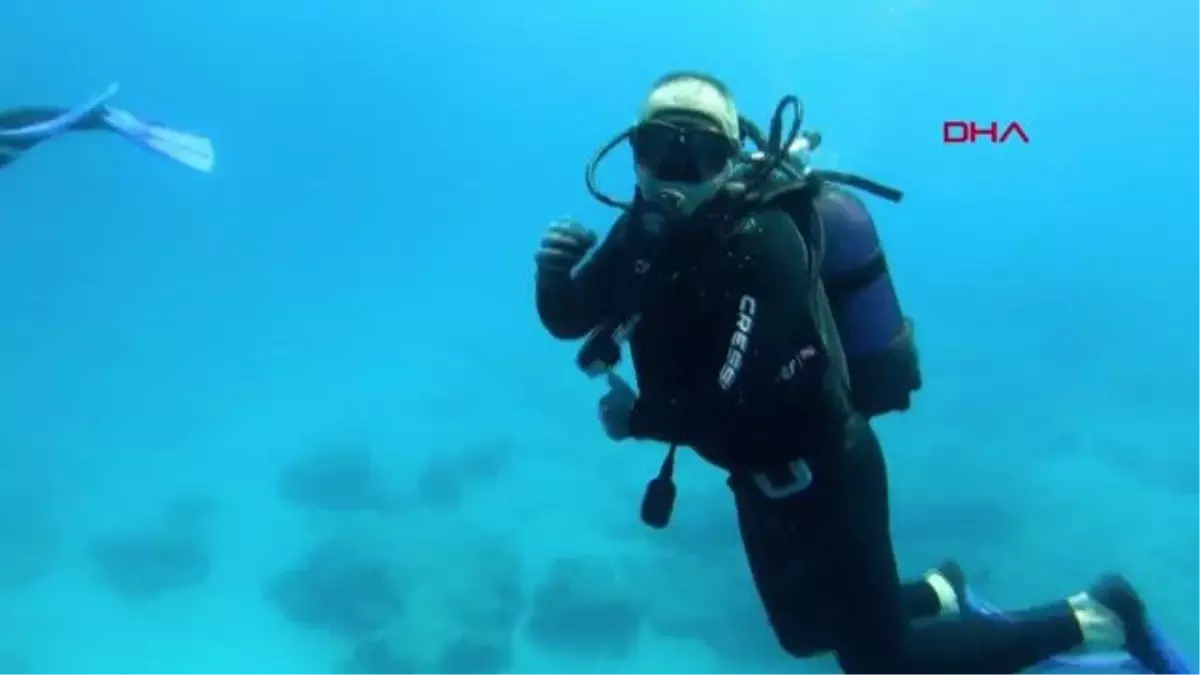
<point>359,271</point>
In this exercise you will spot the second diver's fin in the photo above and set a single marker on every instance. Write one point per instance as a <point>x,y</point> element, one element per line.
<point>190,150</point>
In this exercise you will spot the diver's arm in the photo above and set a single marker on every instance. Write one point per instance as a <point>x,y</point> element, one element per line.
<point>572,304</point>
<point>770,321</point>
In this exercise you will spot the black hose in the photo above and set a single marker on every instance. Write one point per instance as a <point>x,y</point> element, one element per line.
<point>589,174</point>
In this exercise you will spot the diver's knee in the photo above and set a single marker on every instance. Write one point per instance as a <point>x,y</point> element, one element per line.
<point>852,661</point>
<point>800,643</point>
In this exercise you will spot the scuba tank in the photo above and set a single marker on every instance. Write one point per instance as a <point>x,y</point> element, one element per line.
<point>877,339</point>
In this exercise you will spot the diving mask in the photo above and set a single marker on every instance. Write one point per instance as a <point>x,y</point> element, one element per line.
<point>681,163</point>
<point>678,152</point>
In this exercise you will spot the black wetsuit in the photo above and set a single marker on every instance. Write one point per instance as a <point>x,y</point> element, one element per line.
<point>735,293</point>
<point>16,118</point>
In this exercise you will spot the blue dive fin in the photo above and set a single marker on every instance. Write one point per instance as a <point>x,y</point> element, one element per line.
<point>1116,662</point>
<point>1174,660</point>
<point>190,150</point>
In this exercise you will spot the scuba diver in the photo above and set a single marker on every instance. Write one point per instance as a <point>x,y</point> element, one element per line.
<point>765,333</point>
<point>23,128</point>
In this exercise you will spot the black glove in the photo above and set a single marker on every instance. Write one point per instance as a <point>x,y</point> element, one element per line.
<point>616,407</point>
<point>563,246</point>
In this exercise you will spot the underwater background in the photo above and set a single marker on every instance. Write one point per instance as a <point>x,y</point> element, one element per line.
<point>300,416</point>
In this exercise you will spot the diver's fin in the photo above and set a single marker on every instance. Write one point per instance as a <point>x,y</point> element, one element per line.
<point>1173,660</point>
<point>1166,659</point>
<point>62,122</point>
<point>190,150</point>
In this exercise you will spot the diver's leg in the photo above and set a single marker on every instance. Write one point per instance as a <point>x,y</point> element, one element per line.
<point>15,119</point>
<point>938,593</point>
<point>18,118</point>
<point>11,148</point>
<point>874,633</point>
<point>782,539</point>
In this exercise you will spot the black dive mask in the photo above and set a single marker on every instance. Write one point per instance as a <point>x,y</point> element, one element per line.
<point>679,153</point>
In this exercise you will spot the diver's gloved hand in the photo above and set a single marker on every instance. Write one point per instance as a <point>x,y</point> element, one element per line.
<point>616,407</point>
<point>563,246</point>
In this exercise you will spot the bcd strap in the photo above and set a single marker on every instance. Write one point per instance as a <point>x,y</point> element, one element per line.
<point>798,198</point>
<point>847,283</point>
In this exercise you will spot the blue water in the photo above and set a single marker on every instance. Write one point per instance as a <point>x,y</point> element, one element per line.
<point>359,270</point>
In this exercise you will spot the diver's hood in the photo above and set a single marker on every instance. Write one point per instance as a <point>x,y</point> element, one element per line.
<point>696,98</point>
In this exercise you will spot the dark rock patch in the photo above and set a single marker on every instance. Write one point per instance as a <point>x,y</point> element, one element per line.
<point>341,587</point>
<point>447,478</point>
<point>142,565</point>
<point>339,478</point>
<point>476,656</point>
<point>583,609</point>
<point>376,655</point>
